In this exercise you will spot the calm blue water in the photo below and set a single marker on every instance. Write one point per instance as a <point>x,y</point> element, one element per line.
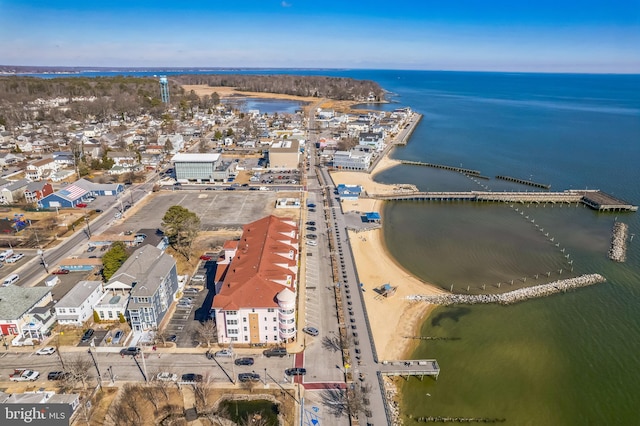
<point>564,360</point>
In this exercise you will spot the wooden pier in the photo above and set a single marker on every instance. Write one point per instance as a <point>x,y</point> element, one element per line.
<point>594,199</point>
<point>442,166</point>
<point>524,182</point>
<point>411,367</point>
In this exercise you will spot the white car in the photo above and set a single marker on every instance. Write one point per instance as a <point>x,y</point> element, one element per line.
<point>47,350</point>
<point>199,278</point>
<point>15,258</point>
<point>165,376</point>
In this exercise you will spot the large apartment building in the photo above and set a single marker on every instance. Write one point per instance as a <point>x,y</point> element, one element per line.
<point>256,301</point>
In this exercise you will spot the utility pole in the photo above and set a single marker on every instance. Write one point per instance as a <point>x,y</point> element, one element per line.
<point>95,363</point>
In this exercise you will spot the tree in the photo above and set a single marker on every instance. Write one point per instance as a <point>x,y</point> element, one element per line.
<point>79,370</point>
<point>205,332</point>
<point>215,98</point>
<point>181,227</point>
<point>201,392</point>
<point>168,146</point>
<point>113,259</point>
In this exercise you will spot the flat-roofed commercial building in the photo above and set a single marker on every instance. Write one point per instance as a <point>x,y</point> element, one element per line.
<point>200,167</point>
<point>284,155</point>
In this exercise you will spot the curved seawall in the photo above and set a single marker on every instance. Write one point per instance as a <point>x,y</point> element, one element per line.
<point>513,296</point>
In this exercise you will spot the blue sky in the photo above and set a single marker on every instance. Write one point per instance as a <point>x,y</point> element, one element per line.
<point>499,35</point>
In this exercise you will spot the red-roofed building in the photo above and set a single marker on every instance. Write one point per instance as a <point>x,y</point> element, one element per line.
<point>256,284</point>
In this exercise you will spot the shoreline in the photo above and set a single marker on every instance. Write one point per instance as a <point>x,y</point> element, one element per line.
<point>394,318</point>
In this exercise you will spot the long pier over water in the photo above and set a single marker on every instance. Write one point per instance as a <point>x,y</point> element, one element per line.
<point>594,199</point>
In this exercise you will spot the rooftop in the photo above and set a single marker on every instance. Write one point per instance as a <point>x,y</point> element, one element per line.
<point>78,294</point>
<point>16,301</point>
<point>195,158</point>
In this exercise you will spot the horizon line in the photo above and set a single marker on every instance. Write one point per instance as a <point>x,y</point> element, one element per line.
<point>88,68</point>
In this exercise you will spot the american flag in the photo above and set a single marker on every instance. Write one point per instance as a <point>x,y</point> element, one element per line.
<point>72,192</point>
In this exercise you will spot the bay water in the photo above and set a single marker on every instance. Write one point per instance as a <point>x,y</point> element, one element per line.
<point>569,359</point>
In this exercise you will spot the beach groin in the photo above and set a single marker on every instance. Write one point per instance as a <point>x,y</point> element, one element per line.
<point>514,296</point>
<point>442,166</point>
<point>524,182</point>
<point>618,250</point>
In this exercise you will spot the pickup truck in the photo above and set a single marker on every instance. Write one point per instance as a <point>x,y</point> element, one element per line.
<point>24,375</point>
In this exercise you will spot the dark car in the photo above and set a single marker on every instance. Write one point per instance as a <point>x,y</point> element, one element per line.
<point>98,210</point>
<point>192,377</point>
<point>295,371</point>
<point>311,228</point>
<point>57,375</point>
<point>244,361</point>
<point>275,352</point>
<point>91,248</point>
<point>87,335</point>
<point>311,223</point>
<point>172,338</point>
<point>311,205</point>
<point>249,377</point>
<point>230,188</point>
<point>132,350</point>
<point>60,272</point>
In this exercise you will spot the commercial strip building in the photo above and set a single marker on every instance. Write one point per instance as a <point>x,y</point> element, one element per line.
<point>256,300</point>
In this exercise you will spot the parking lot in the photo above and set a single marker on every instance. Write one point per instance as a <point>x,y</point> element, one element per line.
<point>185,319</point>
<point>216,209</point>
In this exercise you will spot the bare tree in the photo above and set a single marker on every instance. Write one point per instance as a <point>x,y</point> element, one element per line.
<point>348,401</point>
<point>151,393</point>
<point>249,385</point>
<point>206,332</point>
<point>79,369</point>
<point>201,391</point>
<point>132,400</point>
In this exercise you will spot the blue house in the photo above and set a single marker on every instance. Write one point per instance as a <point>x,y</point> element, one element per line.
<point>349,192</point>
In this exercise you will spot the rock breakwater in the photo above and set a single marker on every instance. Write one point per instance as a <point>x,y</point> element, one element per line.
<point>618,250</point>
<point>511,297</point>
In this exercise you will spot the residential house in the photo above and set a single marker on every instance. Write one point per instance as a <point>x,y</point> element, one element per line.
<point>13,191</point>
<point>373,139</point>
<point>112,306</point>
<point>40,169</point>
<point>16,306</point>
<point>64,159</point>
<point>76,307</point>
<point>177,142</point>
<point>153,278</point>
<point>256,300</point>
<point>123,158</point>
<point>36,191</point>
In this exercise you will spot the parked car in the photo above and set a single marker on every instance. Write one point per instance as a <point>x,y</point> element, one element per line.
<point>47,350</point>
<point>206,257</point>
<point>192,377</point>
<point>98,210</point>
<point>81,205</point>
<point>311,223</point>
<point>91,248</point>
<point>117,337</point>
<point>172,338</point>
<point>24,375</point>
<point>60,272</point>
<point>190,290</point>
<point>165,376</point>
<point>311,228</point>
<point>57,375</point>
<point>131,350</point>
<point>312,331</point>
<point>199,278</point>
<point>295,371</point>
<point>244,361</point>
<point>224,353</point>
<point>15,258</point>
<point>87,335</point>
<point>248,377</point>
<point>281,352</point>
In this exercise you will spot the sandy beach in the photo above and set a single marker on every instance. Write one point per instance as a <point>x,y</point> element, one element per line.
<point>394,318</point>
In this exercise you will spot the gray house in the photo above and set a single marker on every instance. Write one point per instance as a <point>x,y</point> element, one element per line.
<point>153,278</point>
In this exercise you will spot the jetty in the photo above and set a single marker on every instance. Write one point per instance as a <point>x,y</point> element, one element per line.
<point>593,199</point>
<point>618,250</point>
<point>514,296</point>
<point>442,166</point>
<point>523,182</point>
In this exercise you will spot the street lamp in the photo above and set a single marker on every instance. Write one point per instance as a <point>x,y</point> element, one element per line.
<point>42,261</point>
<point>86,220</point>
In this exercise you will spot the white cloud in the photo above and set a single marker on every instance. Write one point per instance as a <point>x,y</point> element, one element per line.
<point>285,4</point>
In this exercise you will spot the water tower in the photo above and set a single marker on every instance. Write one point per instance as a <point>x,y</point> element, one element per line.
<point>164,89</point>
